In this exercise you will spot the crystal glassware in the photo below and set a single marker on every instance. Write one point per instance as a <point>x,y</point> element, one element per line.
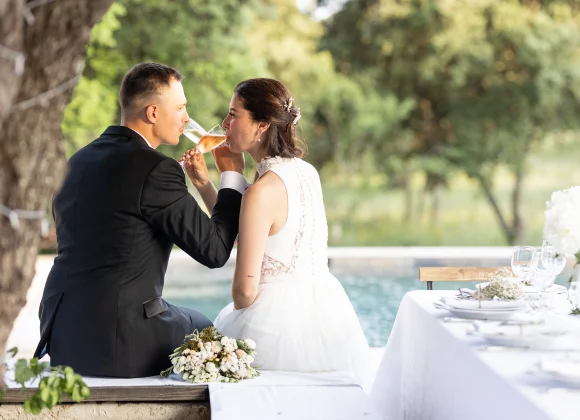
<point>522,261</point>
<point>212,139</point>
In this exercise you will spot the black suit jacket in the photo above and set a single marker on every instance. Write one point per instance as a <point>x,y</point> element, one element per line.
<point>121,208</point>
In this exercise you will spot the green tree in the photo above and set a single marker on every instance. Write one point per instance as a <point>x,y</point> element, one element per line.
<point>488,79</point>
<point>199,38</point>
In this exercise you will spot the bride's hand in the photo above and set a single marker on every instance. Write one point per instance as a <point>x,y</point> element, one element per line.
<point>196,168</point>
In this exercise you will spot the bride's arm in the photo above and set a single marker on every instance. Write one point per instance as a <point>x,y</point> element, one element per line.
<point>256,218</point>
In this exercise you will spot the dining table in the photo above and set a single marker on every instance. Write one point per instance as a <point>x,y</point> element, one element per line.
<point>439,366</point>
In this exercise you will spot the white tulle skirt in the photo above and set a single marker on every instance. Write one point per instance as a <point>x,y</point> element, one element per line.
<point>301,324</point>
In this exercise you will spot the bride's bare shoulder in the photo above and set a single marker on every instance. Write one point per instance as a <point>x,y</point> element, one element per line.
<point>268,187</point>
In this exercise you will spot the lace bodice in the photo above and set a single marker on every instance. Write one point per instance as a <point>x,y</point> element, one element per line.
<point>301,245</point>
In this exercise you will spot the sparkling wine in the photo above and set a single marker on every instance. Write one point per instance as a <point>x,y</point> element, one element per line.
<point>209,142</point>
<point>194,134</point>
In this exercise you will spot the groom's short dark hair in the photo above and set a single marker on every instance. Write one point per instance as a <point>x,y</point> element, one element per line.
<point>142,82</point>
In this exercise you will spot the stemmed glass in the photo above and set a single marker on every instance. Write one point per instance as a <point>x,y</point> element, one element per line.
<point>212,139</point>
<point>522,261</point>
<point>206,141</point>
<point>546,265</point>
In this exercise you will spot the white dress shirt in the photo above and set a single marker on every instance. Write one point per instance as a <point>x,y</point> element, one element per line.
<point>229,179</point>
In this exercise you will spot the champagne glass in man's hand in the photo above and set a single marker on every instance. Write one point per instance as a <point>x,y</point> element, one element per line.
<point>206,141</point>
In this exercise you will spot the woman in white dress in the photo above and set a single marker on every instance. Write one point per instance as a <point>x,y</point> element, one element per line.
<point>284,297</point>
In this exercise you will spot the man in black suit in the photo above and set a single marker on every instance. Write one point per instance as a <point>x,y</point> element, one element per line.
<point>122,207</point>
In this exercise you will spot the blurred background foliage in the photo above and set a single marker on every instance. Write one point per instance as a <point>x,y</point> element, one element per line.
<point>443,122</point>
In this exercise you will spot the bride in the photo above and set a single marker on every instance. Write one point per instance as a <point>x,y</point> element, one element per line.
<point>284,297</point>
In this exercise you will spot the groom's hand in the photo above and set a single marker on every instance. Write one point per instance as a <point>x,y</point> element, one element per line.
<point>196,168</point>
<point>226,160</point>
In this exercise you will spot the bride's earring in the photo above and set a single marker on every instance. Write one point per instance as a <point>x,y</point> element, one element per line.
<point>258,136</point>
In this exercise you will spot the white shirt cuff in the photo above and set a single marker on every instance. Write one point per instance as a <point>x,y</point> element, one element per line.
<point>233,180</point>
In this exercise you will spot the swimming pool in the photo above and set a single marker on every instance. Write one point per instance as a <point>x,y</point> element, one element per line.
<point>375,296</point>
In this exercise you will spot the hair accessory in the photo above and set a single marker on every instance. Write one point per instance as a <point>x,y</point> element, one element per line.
<point>288,107</point>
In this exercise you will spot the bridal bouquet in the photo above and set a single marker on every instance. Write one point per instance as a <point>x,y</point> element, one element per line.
<point>209,356</point>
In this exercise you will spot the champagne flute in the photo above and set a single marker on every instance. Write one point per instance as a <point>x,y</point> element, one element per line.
<point>193,131</point>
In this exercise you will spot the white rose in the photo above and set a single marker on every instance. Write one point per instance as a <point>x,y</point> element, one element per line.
<point>562,224</point>
<point>250,343</point>
<point>210,367</point>
<point>228,348</point>
<point>224,341</point>
<point>216,347</point>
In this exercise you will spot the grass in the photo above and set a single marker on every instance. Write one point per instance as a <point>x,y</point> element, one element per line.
<point>361,211</point>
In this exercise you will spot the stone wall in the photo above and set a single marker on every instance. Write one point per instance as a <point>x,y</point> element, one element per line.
<point>110,411</point>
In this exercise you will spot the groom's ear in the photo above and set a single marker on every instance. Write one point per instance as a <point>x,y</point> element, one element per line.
<point>151,113</point>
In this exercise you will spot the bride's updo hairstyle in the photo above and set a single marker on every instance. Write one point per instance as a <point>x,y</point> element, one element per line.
<point>269,101</point>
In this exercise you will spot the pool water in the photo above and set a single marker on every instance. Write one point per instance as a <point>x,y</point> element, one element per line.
<point>374,296</point>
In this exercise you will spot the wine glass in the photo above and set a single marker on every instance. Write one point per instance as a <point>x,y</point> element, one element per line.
<point>193,131</point>
<point>212,139</point>
<point>522,261</point>
<point>546,265</point>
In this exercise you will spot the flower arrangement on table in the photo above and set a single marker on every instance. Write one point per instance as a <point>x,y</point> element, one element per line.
<point>209,356</point>
<point>501,285</point>
<point>562,224</point>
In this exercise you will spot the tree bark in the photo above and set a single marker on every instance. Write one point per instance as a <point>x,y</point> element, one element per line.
<point>436,194</point>
<point>512,231</point>
<point>52,36</point>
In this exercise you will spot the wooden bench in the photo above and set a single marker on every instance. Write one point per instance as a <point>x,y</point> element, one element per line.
<point>124,394</point>
<point>431,274</point>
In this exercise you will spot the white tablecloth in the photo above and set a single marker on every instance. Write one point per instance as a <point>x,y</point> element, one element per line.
<point>432,370</point>
<point>272,395</point>
<point>289,395</point>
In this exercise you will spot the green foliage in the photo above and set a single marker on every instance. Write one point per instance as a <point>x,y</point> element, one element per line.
<point>54,382</point>
<point>484,83</point>
<point>486,87</point>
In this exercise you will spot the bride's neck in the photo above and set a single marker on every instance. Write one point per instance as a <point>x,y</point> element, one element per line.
<point>257,155</point>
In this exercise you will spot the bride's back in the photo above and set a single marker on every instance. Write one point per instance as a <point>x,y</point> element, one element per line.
<point>301,245</point>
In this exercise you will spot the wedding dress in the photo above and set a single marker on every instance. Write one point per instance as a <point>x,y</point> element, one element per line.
<point>302,319</point>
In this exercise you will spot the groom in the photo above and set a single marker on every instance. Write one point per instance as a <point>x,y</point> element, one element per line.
<point>122,207</point>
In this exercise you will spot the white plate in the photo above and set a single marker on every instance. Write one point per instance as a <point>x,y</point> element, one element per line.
<point>531,335</point>
<point>495,315</point>
<point>563,371</point>
<point>487,305</point>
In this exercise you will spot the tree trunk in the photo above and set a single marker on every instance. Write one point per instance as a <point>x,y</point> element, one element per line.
<point>408,192</point>
<point>52,36</point>
<point>436,194</point>
<point>511,231</point>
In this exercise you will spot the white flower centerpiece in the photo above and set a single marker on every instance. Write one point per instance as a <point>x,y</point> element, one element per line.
<point>562,224</point>
<point>210,356</point>
<point>501,285</point>
<point>562,228</point>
